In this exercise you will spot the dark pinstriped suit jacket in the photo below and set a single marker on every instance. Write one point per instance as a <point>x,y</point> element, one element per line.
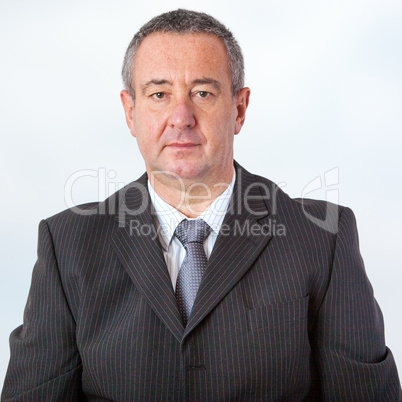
<point>278,316</point>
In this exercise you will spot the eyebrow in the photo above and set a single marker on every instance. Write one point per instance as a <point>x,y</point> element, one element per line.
<point>145,86</point>
<point>199,81</point>
<point>209,81</point>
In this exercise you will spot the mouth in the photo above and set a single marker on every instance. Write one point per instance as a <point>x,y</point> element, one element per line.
<point>181,145</point>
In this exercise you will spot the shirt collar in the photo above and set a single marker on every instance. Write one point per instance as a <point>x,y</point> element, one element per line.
<point>169,217</point>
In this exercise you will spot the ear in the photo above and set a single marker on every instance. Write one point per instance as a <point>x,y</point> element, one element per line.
<point>242,100</point>
<point>128,106</point>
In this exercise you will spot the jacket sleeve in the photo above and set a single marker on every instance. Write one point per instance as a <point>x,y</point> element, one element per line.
<point>353,362</point>
<point>44,363</point>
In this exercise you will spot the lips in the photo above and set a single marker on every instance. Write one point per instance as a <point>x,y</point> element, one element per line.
<point>182,145</point>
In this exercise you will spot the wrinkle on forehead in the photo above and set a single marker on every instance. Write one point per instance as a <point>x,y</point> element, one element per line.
<point>190,57</point>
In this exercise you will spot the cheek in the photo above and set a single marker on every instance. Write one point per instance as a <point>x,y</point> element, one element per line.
<point>148,136</point>
<point>220,145</point>
<point>226,121</point>
<point>147,125</point>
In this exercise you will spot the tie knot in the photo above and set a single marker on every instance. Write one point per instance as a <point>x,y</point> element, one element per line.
<point>194,231</point>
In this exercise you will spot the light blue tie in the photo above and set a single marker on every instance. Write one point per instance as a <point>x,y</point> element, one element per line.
<point>191,235</point>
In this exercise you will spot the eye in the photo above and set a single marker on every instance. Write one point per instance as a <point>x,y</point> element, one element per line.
<point>203,94</point>
<point>158,95</point>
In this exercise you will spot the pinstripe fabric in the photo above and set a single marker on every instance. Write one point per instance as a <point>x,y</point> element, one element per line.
<point>277,316</point>
<point>167,218</point>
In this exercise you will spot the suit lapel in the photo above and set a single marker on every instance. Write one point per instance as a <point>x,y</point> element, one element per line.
<point>243,236</point>
<point>136,243</point>
<point>241,241</point>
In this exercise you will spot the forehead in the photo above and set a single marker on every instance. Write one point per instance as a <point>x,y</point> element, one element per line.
<point>177,54</point>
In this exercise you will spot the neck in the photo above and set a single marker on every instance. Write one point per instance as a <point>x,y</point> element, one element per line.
<point>191,198</point>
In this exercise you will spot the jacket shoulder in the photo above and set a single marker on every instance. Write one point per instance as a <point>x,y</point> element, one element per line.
<point>298,204</point>
<point>310,214</point>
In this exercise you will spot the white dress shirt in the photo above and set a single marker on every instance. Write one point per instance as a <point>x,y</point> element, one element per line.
<point>168,218</point>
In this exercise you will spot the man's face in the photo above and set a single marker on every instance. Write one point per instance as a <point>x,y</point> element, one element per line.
<point>184,116</point>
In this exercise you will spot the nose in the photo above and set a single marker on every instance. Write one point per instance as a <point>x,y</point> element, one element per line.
<point>182,115</point>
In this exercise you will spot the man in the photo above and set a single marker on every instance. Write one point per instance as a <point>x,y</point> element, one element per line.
<point>260,297</point>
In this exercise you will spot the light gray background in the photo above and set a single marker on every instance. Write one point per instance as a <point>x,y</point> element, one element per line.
<point>326,82</point>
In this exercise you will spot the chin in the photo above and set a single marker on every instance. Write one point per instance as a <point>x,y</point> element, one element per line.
<point>187,171</point>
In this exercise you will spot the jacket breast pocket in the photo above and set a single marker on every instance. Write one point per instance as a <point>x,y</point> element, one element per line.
<point>272,315</point>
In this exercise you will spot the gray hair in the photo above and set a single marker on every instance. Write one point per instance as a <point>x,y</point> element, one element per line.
<point>186,21</point>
